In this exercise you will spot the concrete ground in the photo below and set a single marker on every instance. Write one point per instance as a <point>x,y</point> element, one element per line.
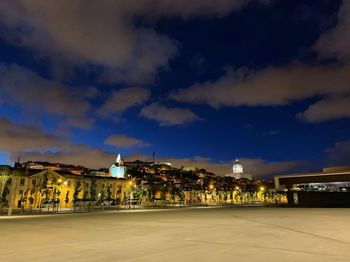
<point>189,234</point>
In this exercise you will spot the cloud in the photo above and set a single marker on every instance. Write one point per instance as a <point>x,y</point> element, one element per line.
<point>20,86</point>
<point>103,33</point>
<point>336,41</point>
<point>339,154</point>
<point>15,137</point>
<point>121,100</point>
<point>280,86</point>
<point>327,109</point>
<point>168,116</point>
<point>259,168</point>
<point>32,144</point>
<point>76,154</point>
<point>272,86</point>
<point>124,141</point>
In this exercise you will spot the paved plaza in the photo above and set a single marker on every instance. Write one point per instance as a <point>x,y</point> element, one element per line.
<point>188,234</point>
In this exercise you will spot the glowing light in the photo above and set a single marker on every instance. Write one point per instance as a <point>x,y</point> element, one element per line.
<point>65,183</point>
<point>262,188</point>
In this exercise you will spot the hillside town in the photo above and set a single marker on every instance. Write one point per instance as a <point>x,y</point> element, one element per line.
<point>35,185</point>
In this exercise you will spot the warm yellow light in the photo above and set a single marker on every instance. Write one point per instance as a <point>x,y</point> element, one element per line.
<point>211,186</point>
<point>59,180</point>
<point>262,188</point>
<point>237,187</point>
<point>130,183</point>
<point>65,183</point>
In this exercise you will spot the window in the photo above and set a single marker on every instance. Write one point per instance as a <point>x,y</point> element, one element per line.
<point>22,181</point>
<point>34,182</point>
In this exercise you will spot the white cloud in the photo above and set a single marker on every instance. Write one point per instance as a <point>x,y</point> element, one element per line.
<point>121,100</point>
<point>15,137</point>
<point>336,41</point>
<point>270,86</point>
<point>168,116</point>
<point>103,33</point>
<point>20,86</point>
<point>327,109</point>
<point>278,86</point>
<point>124,141</point>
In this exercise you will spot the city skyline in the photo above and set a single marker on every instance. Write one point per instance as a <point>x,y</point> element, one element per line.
<point>200,84</point>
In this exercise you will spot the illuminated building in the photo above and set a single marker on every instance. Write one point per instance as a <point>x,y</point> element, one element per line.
<point>32,188</point>
<point>330,187</point>
<point>238,172</point>
<point>118,169</point>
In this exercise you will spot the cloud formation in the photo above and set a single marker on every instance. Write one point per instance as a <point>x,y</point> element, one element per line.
<point>259,168</point>
<point>168,116</point>
<point>31,143</point>
<point>20,86</point>
<point>122,99</point>
<point>277,86</point>
<point>103,33</point>
<point>327,109</point>
<point>15,137</point>
<point>339,154</point>
<point>336,41</point>
<point>272,86</point>
<point>124,141</point>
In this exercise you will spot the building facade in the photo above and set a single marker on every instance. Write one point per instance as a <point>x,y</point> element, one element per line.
<point>33,188</point>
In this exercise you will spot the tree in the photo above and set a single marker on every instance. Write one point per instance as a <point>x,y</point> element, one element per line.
<point>66,200</point>
<point>103,194</point>
<point>4,179</point>
<point>31,199</point>
<point>23,198</point>
<point>76,192</point>
<point>93,191</point>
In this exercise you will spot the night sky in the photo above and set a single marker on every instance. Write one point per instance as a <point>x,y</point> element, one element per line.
<point>199,82</point>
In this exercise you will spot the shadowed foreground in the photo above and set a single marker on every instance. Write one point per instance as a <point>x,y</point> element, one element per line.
<point>200,234</point>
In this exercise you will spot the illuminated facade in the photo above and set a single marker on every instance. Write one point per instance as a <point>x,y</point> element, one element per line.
<point>31,188</point>
<point>238,172</point>
<point>118,169</point>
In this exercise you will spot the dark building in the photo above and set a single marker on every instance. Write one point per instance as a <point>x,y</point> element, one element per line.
<point>331,188</point>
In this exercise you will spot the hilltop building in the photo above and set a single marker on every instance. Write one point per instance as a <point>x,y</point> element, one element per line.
<point>118,169</point>
<point>238,172</point>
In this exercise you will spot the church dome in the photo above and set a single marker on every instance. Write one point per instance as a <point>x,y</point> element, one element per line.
<point>237,167</point>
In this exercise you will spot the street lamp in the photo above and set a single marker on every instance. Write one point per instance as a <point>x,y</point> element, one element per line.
<point>262,189</point>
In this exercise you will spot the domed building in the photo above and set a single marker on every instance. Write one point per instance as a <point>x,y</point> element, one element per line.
<point>237,167</point>
<point>238,172</point>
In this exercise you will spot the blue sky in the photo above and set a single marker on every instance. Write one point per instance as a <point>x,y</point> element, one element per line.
<point>199,83</point>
